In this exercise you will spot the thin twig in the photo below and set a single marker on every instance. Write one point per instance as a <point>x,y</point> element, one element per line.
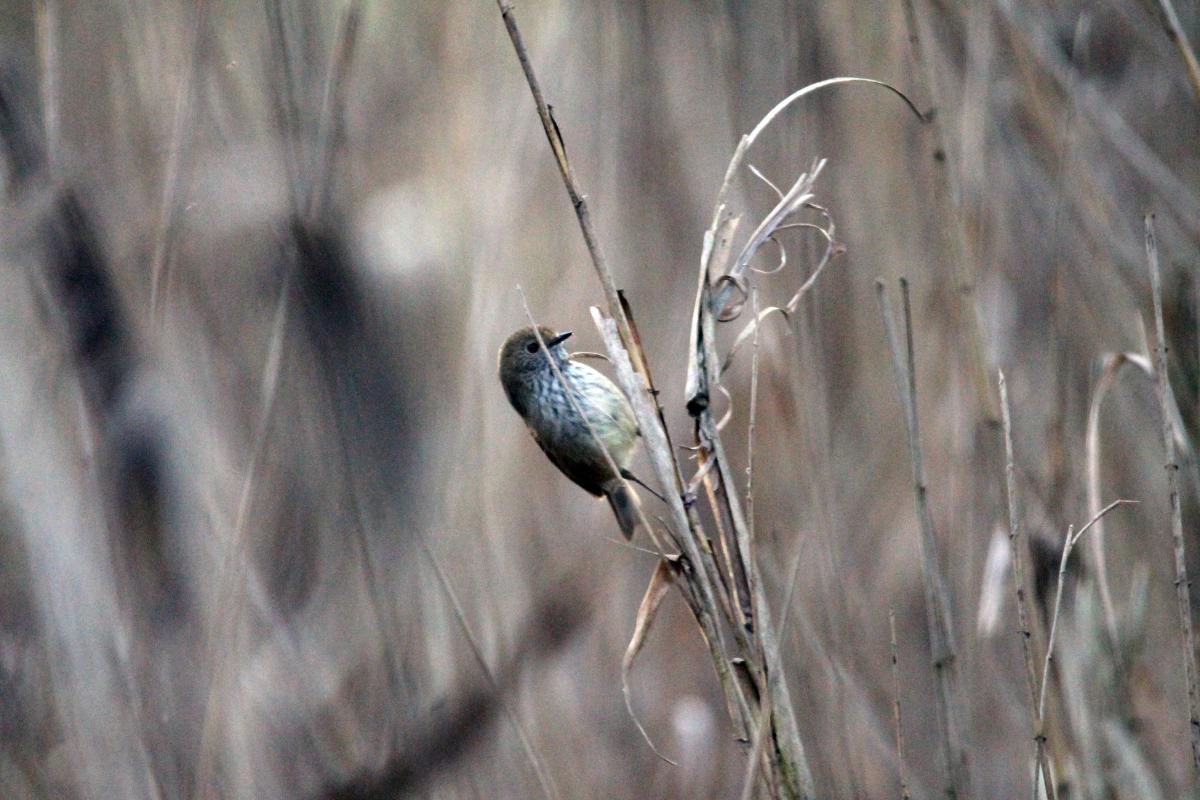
<point>1018,549</point>
<point>941,636</point>
<point>753,417</point>
<point>543,775</point>
<point>1182,585</point>
<point>703,602</point>
<point>1176,34</point>
<point>1069,543</point>
<point>760,727</point>
<point>578,200</point>
<point>896,705</point>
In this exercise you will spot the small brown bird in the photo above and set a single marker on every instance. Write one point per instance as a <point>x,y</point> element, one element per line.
<point>539,397</point>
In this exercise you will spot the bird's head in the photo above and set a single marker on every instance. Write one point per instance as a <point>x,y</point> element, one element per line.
<point>522,353</point>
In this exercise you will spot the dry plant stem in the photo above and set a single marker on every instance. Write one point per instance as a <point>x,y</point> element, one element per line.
<point>753,417</point>
<point>787,757</point>
<point>948,196</point>
<point>735,599</point>
<point>896,704</point>
<point>1177,35</point>
<point>1018,550</point>
<point>719,234</point>
<point>713,466</point>
<point>1067,547</point>
<point>697,566</point>
<point>170,207</point>
<point>543,776</point>
<point>764,650</point>
<point>941,636</point>
<point>735,547</point>
<point>756,750</point>
<point>760,726</point>
<point>578,201</point>
<point>652,426</point>
<point>647,379</point>
<point>764,631</point>
<point>1182,585</point>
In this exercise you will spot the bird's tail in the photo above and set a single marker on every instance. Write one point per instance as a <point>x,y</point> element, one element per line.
<point>624,506</point>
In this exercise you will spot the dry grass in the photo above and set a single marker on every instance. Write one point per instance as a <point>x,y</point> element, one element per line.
<point>269,529</point>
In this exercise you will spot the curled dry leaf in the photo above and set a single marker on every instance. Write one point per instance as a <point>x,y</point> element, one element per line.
<point>660,582</point>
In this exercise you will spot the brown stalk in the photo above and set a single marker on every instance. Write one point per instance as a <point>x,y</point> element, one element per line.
<point>764,712</point>
<point>1025,628</point>
<point>578,200</point>
<point>937,602</point>
<point>896,706</point>
<point>763,655</point>
<point>1182,585</point>
<point>957,237</point>
<point>696,564</point>
<point>1069,543</point>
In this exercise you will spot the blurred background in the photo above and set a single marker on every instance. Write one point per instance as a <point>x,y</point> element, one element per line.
<point>269,528</point>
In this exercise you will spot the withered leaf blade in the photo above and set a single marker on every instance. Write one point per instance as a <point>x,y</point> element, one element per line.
<point>660,582</point>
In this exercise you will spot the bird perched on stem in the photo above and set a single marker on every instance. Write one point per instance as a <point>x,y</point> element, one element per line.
<point>576,447</point>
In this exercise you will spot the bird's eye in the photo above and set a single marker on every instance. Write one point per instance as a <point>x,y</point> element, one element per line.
<point>532,347</point>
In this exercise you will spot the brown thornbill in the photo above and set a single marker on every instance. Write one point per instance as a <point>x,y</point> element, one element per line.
<point>538,395</point>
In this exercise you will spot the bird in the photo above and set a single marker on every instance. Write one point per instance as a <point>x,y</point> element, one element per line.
<point>538,395</point>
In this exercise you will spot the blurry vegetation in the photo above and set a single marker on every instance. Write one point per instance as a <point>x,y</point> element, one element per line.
<point>268,527</point>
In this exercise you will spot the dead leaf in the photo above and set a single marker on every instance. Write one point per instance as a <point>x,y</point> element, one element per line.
<point>660,582</point>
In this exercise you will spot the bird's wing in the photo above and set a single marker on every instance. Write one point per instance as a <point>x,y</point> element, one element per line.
<point>579,468</point>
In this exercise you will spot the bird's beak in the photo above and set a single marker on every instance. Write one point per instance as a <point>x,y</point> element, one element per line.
<point>562,337</point>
